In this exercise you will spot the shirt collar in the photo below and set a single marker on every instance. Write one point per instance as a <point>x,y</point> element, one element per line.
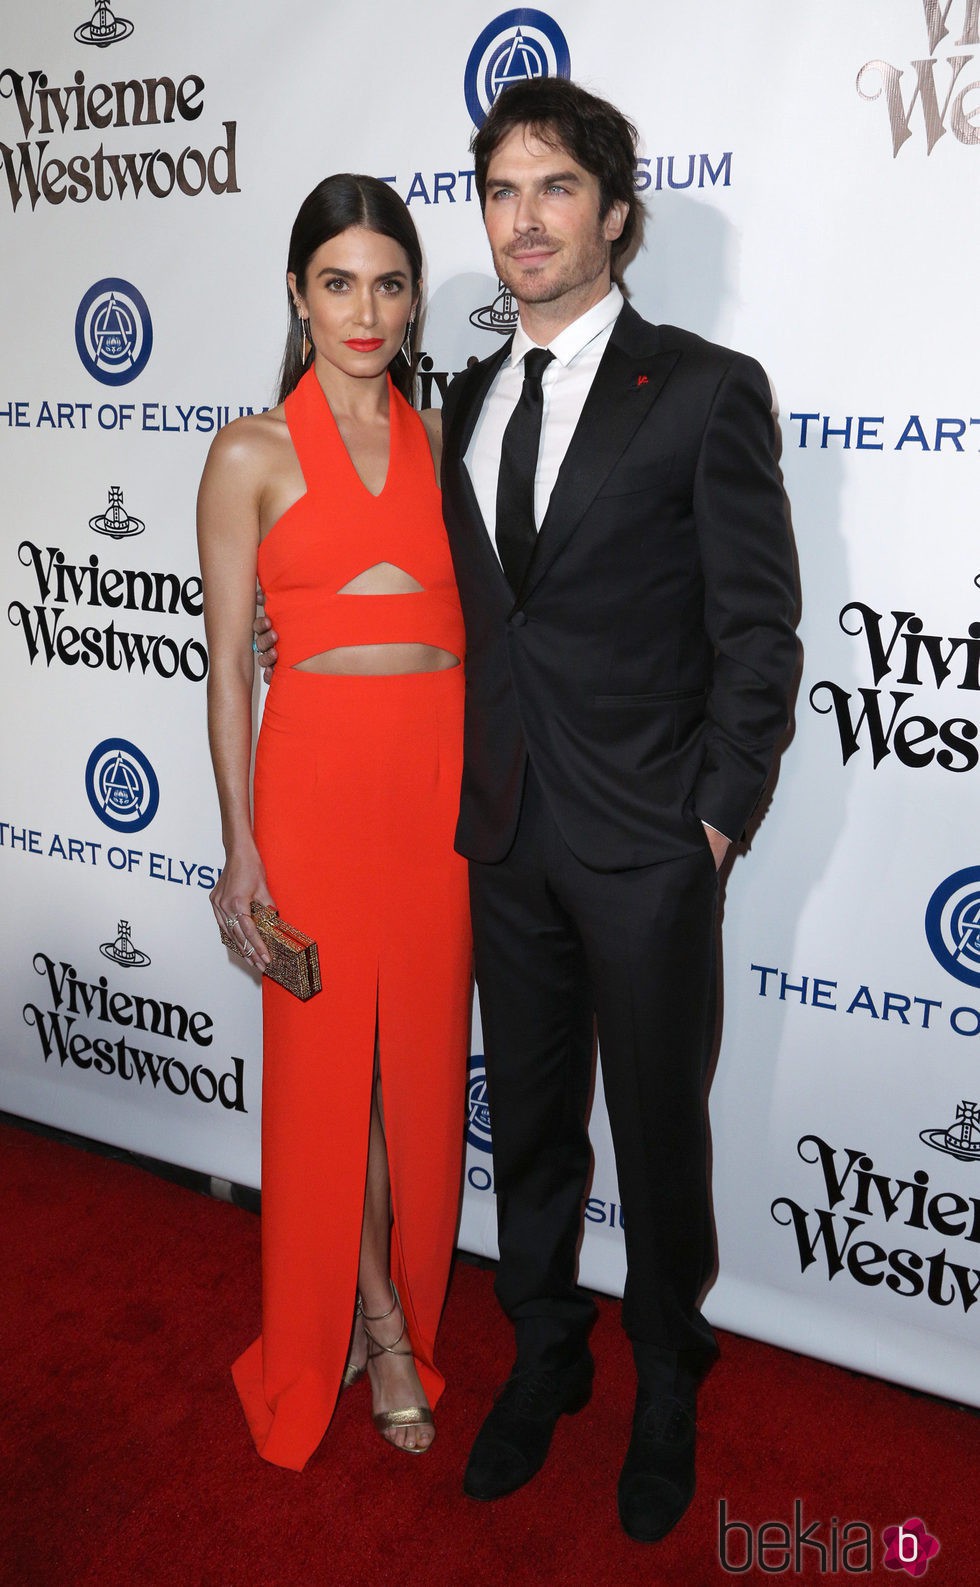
<point>575,338</point>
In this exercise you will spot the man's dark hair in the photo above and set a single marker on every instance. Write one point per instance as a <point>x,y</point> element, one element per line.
<point>596,135</point>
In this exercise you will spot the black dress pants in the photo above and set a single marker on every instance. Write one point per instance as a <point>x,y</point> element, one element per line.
<point>562,949</point>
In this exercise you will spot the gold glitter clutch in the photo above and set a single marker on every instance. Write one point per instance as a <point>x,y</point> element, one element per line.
<point>295,963</point>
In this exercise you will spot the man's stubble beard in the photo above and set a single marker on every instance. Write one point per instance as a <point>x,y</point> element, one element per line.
<point>526,290</point>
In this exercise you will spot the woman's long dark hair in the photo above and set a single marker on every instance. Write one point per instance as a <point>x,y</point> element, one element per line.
<point>334,205</point>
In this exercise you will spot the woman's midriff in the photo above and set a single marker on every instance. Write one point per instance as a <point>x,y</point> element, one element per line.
<point>379,660</point>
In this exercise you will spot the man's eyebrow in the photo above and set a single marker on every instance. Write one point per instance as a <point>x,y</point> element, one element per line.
<point>543,181</point>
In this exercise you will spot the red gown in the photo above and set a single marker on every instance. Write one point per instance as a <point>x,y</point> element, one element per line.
<point>356,795</point>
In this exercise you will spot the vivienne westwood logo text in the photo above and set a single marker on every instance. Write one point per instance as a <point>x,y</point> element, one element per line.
<point>946,94</point>
<point>52,637</point>
<point>40,168</point>
<point>64,1038</point>
<point>899,648</point>
<point>840,1239</point>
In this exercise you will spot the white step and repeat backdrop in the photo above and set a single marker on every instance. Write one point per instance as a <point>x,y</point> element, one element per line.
<point>810,175</point>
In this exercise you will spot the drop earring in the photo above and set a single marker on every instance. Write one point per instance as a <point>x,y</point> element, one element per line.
<point>406,347</point>
<point>304,326</point>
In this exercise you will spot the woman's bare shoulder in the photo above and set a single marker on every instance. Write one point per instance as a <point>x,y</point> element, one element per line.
<point>252,443</point>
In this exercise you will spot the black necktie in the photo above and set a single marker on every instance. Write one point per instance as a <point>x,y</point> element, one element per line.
<point>516,532</point>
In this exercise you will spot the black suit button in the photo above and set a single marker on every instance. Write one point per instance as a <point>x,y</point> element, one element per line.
<point>519,619</point>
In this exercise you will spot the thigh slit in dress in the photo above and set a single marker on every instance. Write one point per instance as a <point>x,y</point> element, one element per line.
<point>356,795</point>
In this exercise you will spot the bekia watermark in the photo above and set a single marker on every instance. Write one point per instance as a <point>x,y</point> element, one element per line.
<point>826,1548</point>
<point>909,1547</point>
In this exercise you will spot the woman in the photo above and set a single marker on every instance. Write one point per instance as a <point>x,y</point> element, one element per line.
<point>331,499</point>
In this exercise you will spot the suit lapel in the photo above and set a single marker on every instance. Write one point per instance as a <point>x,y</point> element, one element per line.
<point>627,383</point>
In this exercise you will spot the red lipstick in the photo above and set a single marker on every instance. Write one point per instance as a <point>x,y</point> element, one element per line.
<point>366,344</point>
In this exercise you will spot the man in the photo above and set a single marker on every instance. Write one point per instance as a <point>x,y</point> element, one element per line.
<point>617,526</point>
<point>627,681</point>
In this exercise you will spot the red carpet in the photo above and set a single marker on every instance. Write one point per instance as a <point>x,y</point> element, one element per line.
<point>126,1462</point>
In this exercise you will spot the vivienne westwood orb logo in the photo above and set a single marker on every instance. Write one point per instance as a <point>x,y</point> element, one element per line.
<point>103,28</point>
<point>500,315</point>
<point>123,951</point>
<point>959,1139</point>
<point>514,47</point>
<point>116,521</point>
<point>113,331</point>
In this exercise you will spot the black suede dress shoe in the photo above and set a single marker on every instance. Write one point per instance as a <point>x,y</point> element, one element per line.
<point>512,1443</point>
<point>656,1484</point>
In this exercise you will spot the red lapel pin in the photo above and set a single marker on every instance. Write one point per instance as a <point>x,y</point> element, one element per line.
<point>642,380</point>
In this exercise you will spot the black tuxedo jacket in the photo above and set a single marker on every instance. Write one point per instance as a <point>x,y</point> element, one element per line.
<point>646,661</point>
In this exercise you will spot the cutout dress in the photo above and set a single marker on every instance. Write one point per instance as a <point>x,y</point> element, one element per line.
<point>356,794</point>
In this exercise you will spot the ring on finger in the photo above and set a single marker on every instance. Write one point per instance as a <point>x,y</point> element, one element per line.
<point>247,951</point>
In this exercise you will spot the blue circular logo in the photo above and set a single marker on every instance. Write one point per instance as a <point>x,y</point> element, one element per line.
<point>953,924</point>
<point>113,332</point>
<point>477,1105</point>
<point>514,47</point>
<point>121,785</point>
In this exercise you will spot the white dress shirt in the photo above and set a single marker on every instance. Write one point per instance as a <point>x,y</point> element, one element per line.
<point>565,383</point>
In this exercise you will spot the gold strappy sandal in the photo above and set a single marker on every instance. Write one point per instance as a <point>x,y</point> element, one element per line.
<point>412,1415</point>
